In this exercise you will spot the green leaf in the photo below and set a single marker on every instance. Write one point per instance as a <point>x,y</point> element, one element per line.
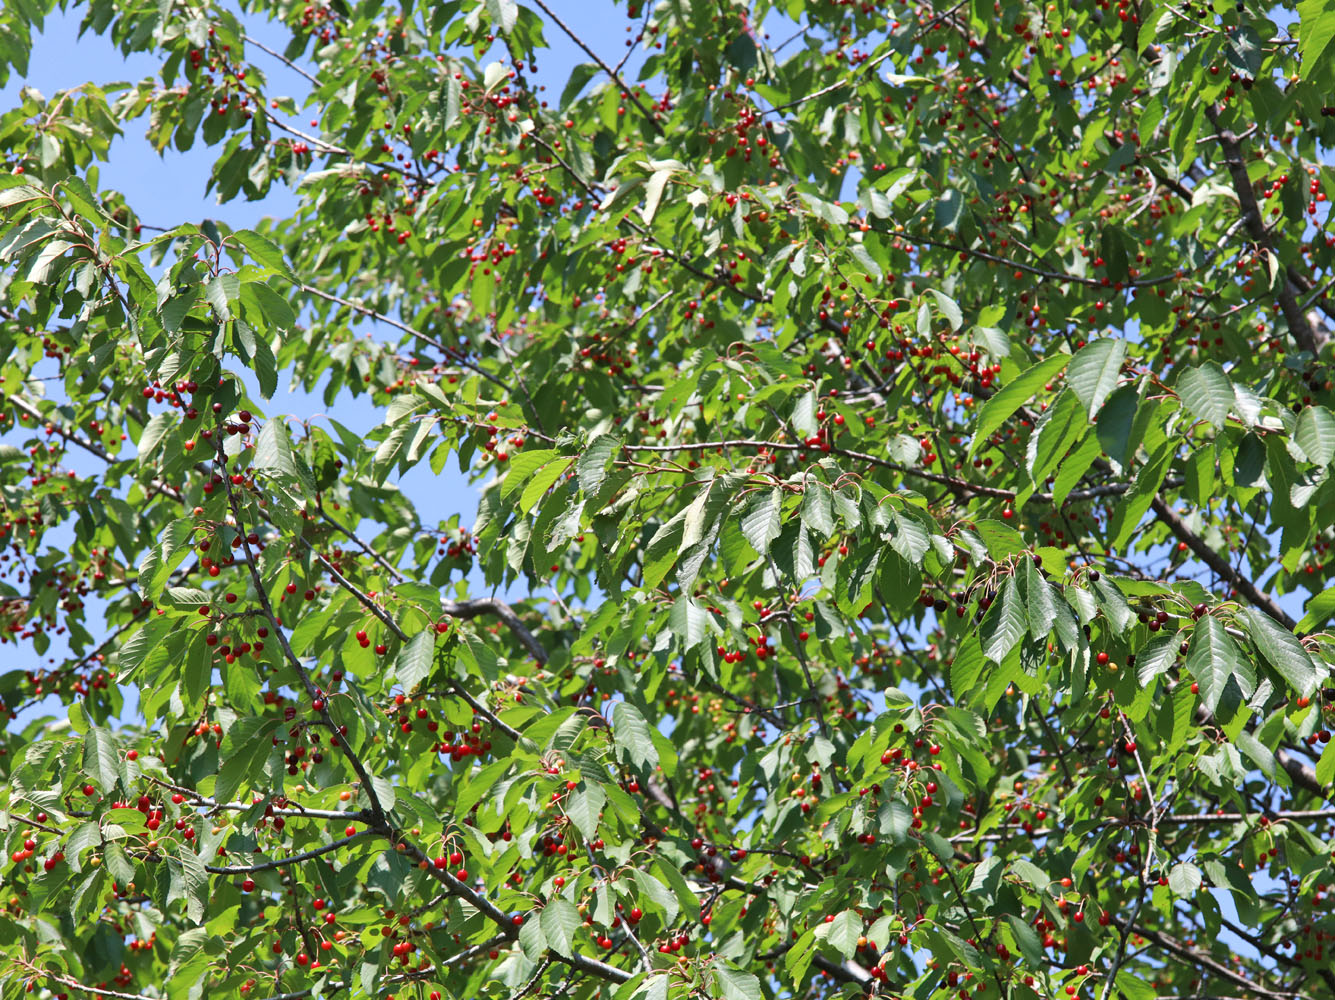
<point>1115,423</point>
<point>1093,372</point>
<point>591,466</point>
<point>1215,660</point>
<point>1282,650</point>
<point>1317,610</point>
<point>273,450</point>
<point>1112,602</point>
<point>154,433</point>
<point>967,668</point>
<point>541,482</point>
<point>949,308</point>
<point>1035,877</point>
<point>661,552</point>
<point>1259,754</point>
<point>243,762</point>
<point>1039,601</point>
<point>583,807</point>
<point>761,523</point>
<point>85,835</point>
<point>1184,879</point>
<point>997,410</point>
<point>733,984</point>
<point>522,466</point>
<point>1325,766</point>
<point>560,923</point>
<point>220,291</point>
<point>1004,625</point>
<point>1137,500</point>
<point>532,941</point>
<point>631,733</point>
<point>9,197</point>
<point>1056,431</point>
<point>949,210</point>
<point>804,414</point>
<point>579,77</point>
<point>1026,939</point>
<point>1316,29</point>
<point>100,759</point>
<point>193,882</point>
<point>844,931</point>
<point>1207,392</point>
<point>659,895</point>
<point>818,509</point>
<point>895,819</point>
<point>414,660</point>
<point>653,194</point>
<point>264,251</point>
<point>689,621</point>
<point>1315,434</point>
<point>1156,656</point>
<point>503,14</point>
<point>1133,987</point>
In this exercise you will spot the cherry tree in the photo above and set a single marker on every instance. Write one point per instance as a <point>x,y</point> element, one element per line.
<point>897,441</point>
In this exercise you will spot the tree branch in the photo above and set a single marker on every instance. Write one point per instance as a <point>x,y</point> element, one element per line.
<point>1287,294</point>
<point>1219,564</point>
<point>1204,961</point>
<point>264,866</point>
<point>630,94</point>
<point>378,816</point>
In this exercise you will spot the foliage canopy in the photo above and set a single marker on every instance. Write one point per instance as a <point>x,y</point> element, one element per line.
<point>902,436</point>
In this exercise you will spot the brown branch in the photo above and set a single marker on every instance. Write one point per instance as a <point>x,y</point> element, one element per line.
<point>284,862</point>
<point>1030,268</point>
<point>465,609</point>
<point>1243,585</point>
<point>450,352</point>
<point>630,94</point>
<point>962,487</point>
<point>292,810</point>
<point>366,548</point>
<point>495,606</point>
<point>281,58</point>
<point>1201,959</point>
<point>1233,817</point>
<point>1287,294</point>
<point>378,816</point>
<point>1302,775</point>
<point>74,984</point>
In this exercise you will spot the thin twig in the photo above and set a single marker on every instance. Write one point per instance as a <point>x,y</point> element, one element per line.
<point>292,860</point>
